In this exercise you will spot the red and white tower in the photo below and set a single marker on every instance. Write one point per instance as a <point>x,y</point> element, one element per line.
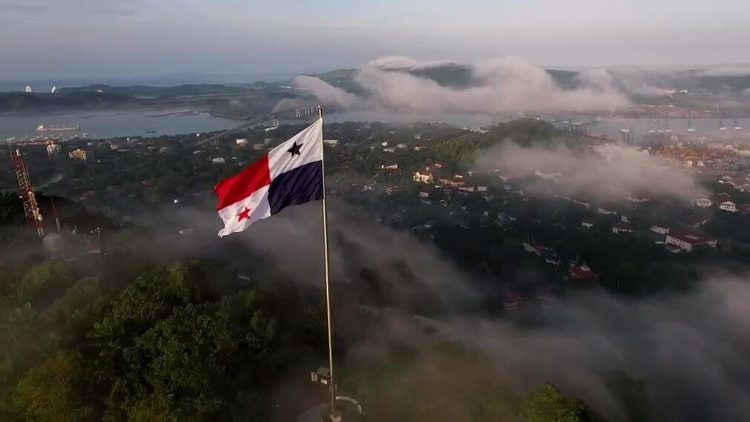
<point>26,193</point>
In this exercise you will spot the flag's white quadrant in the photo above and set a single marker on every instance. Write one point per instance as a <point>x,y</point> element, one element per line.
<point>240,215</point>
<point>303,148</point>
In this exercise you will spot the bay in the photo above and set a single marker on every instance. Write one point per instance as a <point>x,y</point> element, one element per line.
<point>111,124</point>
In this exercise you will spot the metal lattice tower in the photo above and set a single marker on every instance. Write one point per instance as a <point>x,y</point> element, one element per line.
<point>26,193</point>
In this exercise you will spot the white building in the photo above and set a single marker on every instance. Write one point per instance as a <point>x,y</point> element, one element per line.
<point>703,202</point>
<point>241,142</point>
<point>423,177</point>
<point>728,206</point>
<point>548,176</point>
<point>331,142</point>
<point>659,229</point>
<point>622,227</point>
<point>53,149</point>
<point>687,242</point>
<point>78,154</point>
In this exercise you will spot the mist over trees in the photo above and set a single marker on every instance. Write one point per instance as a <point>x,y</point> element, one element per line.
<point>169,323</point>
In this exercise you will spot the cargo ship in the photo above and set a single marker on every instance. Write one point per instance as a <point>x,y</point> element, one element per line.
<point>43,128</point>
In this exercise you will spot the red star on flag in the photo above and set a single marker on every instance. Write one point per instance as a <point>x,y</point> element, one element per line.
<point>243,215</point>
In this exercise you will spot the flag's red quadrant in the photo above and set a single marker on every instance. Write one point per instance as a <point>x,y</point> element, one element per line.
<point>240,186</point>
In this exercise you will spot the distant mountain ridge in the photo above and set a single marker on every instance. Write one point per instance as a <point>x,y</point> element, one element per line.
<point>461,76</point>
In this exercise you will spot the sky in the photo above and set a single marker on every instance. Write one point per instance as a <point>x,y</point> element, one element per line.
<point>43,39</point>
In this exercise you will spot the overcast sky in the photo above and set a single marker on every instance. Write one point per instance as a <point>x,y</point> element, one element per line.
<point>130,38</point>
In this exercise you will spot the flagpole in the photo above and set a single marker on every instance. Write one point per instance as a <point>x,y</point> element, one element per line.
<point>326,265</point>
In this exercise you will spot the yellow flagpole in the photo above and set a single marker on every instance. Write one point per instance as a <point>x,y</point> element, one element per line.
<point>332,383</point>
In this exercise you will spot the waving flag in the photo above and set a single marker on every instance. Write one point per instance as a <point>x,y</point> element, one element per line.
<point>290,174</point>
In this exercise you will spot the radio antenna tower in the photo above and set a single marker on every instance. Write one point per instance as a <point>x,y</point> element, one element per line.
<point>26,193</point>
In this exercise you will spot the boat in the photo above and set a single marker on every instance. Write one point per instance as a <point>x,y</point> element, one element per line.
<point>43,128</point>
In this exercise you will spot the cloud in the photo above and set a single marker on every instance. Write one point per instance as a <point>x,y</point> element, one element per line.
<point>602,172</point>
<point>106,7</point>
<point>719,71</point>
<point>691,349</point>
<point>506,85</point>
<point>28,8</point>
<point>326,92</point>
<point>404,62</point>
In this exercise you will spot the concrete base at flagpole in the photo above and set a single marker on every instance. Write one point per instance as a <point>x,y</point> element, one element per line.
<point>321,413</point>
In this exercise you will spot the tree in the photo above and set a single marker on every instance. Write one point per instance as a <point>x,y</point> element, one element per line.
<point>76,310</point>
<point>548,404</point>
<point>631,392</point>
<point>50,391</point>
<point>44,282</point>
<point>151,298</point>
<point>183,359</point>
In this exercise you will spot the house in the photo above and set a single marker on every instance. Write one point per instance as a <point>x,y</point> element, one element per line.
<point>392,189</point>
<point>728,206</point>
<point>218,160</point>
<point>587,224</point>
<point>78,154</point>
<point>622,227</point>
<point>389,167</point>
<point>659,229</point>
<point>241,142</point>
<point>423,178</point>
<point>548,176</point>
<point>605,211</point>
<point>688,241</point>
<point>722,197</point>
<point>637,199</point>
<point>583,272</point>
<point>703,202</point>
<point>550,257</point>
<point>331,142</point>
<point>424,194</point>
<point>535,249</point>
<point>53,149</point>
<point>511,300</point>
<point>504,218</point>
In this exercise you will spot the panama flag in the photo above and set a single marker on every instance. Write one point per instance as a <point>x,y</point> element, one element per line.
<point>290,174</point>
